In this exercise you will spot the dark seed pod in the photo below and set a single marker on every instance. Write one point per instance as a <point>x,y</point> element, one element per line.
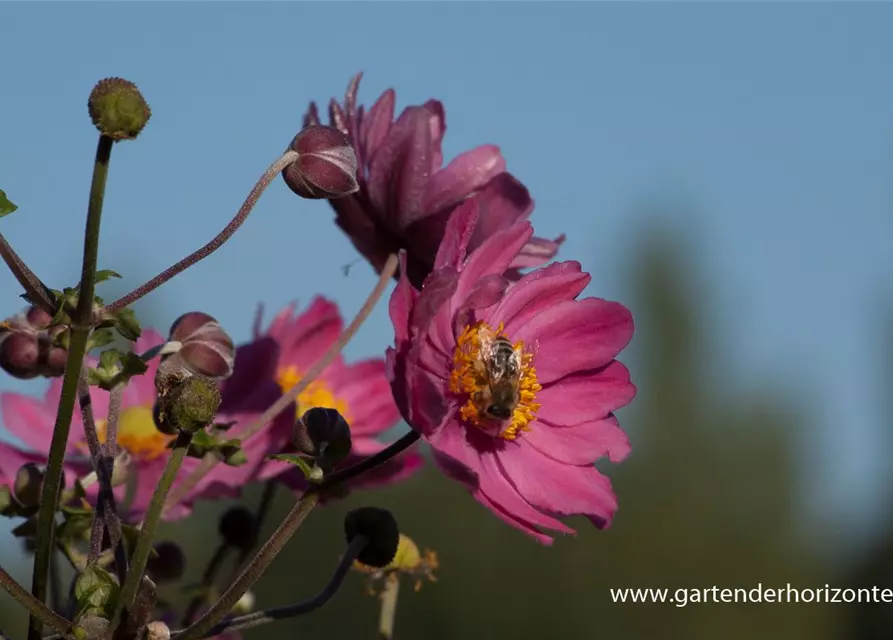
<point>379,528</point>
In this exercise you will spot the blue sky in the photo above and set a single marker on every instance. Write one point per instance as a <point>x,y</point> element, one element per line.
<point>774,121</point>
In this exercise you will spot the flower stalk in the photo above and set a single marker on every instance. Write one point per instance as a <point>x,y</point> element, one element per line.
<point>388,607</point>
<point>38,293</point>
<point>200,254</point>
<point>80,332</point>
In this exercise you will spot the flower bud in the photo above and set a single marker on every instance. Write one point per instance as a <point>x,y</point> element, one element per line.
<point>190,406</point>
<point>118,109</point>
<point>202,345</point>
<point>380,530</point>
<point>237,528</point>
<point>326,166</point>
<point>244,605</point>
<point>27,346</point>
<point>91,628</point>
<point>28,485</point>
<point>169,564</point>
<point>157,631</point>
<point>329,434</point>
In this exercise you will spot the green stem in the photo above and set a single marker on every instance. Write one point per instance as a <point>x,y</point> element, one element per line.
<point>80,332</point>
<point>388,607</point>
<point>150,524</point>
<point>254,570</point>
<point>37,608</point>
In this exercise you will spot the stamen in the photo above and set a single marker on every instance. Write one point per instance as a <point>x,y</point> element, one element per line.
<point>317,394</point>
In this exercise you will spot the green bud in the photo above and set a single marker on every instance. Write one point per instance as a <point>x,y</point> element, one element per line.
<point>118,109</point>
<point>28,485</point>
<point>191,405</point>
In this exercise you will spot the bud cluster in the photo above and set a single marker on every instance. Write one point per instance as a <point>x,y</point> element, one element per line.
<point>30,346</point>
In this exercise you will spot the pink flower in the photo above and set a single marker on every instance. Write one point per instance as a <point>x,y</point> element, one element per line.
<point>32,420</point>
<point>276,359</point>
<point>526,456</point>
<point>406,196</point>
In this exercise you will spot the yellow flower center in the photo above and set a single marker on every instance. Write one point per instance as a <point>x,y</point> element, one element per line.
<point>317,393</point>
<point>137,434</point>
<point>498,379</point>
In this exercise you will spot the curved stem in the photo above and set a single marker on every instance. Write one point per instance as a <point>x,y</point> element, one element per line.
<point>37,608</point>
<point>211,460</point>
<point>253,570</point>
<point>269,175</point>
<point>404,442</point>
<point>38,293</point>
<point>80,332</point>
<point>241,623</point>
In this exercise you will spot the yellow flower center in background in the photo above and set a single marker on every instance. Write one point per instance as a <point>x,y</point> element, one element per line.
<point>317,394</point>
<point>137,433</point>
<point>474,366</point>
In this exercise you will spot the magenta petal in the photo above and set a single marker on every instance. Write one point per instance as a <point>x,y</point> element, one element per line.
<point>537,252</point>
<point>376,124</point>
<point>575,336</point>
<point>502,202</point>
<point>587,396</point>
<point>30,420</point>
<point>581,444</point>
<point>500,490</point>
<point>456,236</point>
<point>512,519</point>
<point>400,305</point>
<point>539,290</point>
<point>437,126</point>
<point>557,487</point>
<point>256,363</point>
<point>465,174</point>
<point>494,256</point>
<point>454,454</point>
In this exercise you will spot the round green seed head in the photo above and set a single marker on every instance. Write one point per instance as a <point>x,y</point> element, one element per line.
<point>118,109</point>
<point>192,405</point>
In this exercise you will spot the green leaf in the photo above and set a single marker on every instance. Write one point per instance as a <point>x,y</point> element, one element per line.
<point>95,590</point>
<point>6,207</point>
<point>100,338</point>
<point>133,365</point>
<point>236,458</point>
<point>310,471</point>
<point>106,274</point>
<point>109,359</point>
<point>127,324</point>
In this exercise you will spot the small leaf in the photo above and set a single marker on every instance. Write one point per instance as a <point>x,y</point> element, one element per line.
<point>223,426</point>
<point>133,365</point>
<point>6,207</point>
<point>100,338</point>
<point>106,274</point>
<point>95,589</point>
<point>28,529</point>
<point>236,458</point>
<point>310,471</point>
<point>127,324</point>
<point>109,359</point>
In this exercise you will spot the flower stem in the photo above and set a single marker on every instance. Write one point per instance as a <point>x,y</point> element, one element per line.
<point>37,608</point>
<point>80,332</point>
<point>150,524</point>
<point>388,607</point>
<point>253,570</point>
<point>211,460</point>
<point>38,293</point>
<point>404,442</point>
<point>241,623</point>
<point>200,254</point>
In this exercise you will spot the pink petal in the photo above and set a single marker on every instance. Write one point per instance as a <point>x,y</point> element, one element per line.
<point>494,256</point>
<point>256,364</point>
<point>402,300</point>
<point>581,444</point>
<point>376,124</point>
<point>559,488</point>
<point>575,336</point>
<point>537,252</point>
<point>539,290</point>
<point>437,126</point>
<point>305,338</point>
<point>400,169</point>
<point>513,520</point>
<point>365,390</point>
<point>465,174</point>
<point>456,236</point>
<point>32,421</point>
<point>587,396</point>
<point>502,202</point>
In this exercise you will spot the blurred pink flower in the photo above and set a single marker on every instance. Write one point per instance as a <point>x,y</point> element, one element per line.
<point>276,359</point>
<point>528,458</point>
<point>31,420</point>
<point>406,194</point>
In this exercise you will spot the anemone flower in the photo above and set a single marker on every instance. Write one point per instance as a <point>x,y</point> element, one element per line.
<point>513,384</point>
<point>276,359</point>
<point>406,195</point>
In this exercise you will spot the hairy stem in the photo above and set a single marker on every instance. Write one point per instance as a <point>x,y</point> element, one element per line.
<point>211,460</point>
<point>80,332</point>
<point>37,608</point>
<point>258,618</point>
<point>404,442</point>
<point>253,570</point>
<point>388,607</point>
<point>269,175</point>
<point>38,292</point>
<point>150,524</point>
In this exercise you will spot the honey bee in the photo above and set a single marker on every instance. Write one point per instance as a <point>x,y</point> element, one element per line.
<point>499,370</point>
